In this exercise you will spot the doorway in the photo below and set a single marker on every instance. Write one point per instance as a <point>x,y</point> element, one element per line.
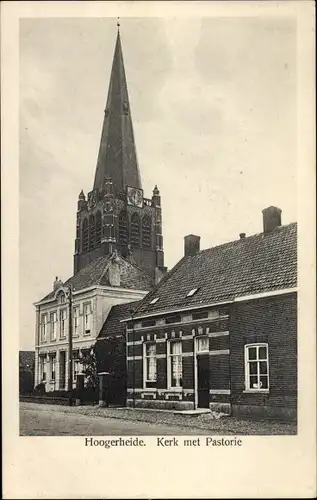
<point>203,380</point>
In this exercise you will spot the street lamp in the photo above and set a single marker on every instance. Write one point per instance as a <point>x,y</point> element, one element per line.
<point>69,296</point>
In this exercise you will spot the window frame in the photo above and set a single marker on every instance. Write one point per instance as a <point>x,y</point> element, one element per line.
<point>89,315</point>
<point>53,326</point>
<point>146,359</point>
<point>52,367</point>
<point>257,360</point>
<point>76,321</point>
<point>62,334</point>
<point>170,357</point>
<point>44,327</point>
<point>197,339</point>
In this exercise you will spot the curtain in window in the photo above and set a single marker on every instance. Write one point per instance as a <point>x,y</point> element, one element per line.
<point>176,359</point>
<point>151,362</point>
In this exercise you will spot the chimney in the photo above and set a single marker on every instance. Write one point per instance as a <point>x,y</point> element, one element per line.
<point>57,283</point>
<point>191,245</point>
<point>271,219</point>
<point>114,270</point>
<point>242,236</point>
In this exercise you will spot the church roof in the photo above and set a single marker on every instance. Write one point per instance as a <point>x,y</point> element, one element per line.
<point>255,264</point>
<point>117,156</point>
<point>96,273</point>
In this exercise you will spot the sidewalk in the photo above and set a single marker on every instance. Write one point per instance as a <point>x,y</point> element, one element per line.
<point>221,426</point>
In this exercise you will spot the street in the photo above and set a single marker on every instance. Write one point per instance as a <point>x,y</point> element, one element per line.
<point>42,420</point>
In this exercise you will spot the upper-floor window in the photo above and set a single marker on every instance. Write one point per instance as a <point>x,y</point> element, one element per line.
<point>135,230</point>
<point>44,321</point>
<point>63,317</point>
<point>202,345</point>
<point>256,367</point>
<point>200,315</point>
<point>98,228</point>
<point>173,319</point>
<point>85,235</point>
<point>92,232</point>
<point>53,325</point>
<point>146,231</point>
<point>123,229</point>
<point>87,317</point>
<point>150,362</point>
<point>76,320</point>
<point>174,367</point>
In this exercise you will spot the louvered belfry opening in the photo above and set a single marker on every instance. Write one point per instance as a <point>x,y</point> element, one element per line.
<point>92,232</point>
<point>135,230</point>
<point>98,228</point>
<point>85,235</point>
<point>146,232</point>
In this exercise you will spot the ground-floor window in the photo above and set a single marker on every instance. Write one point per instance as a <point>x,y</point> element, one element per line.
<point>52,365</point>
<point>150,362</point>
<point>256,367</point>
<point>174,368</point>
<point>42,373</point>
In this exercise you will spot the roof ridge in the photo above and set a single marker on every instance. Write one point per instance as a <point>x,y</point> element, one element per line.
<point>277,229</point>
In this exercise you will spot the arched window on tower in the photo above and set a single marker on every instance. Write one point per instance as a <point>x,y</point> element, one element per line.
<point>92,232</point>
<point>123,229</point>
<point>135,230</point>
<point>98,228</point>
<point>85,235</point>
<point>146,232</point>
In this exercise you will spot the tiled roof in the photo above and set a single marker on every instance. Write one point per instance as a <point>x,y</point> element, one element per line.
<point>96,273</point>
<point>255,264</point>
<point>112,325</point>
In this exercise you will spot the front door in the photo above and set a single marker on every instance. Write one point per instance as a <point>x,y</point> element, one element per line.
<point>203,380</point>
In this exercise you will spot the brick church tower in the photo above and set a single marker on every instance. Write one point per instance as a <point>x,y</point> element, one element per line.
<point>115,215</point>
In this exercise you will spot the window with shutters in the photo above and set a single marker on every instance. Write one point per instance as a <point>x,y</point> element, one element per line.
<point>85,235</point>
<point>146,232</point>
<point>98,228</point>
<point>92,232</point>
<point>135,230</point>
<point>256,367</point>
<point>123,229</point>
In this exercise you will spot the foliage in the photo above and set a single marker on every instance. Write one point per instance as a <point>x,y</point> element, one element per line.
<point>89,362</point>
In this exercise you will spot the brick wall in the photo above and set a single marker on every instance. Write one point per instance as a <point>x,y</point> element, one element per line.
<point>272,320</point>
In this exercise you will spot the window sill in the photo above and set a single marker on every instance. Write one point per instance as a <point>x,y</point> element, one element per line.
<point>62,338</point>
<point>53,340</point>
<point>256,391</point>
<point>175,389</point>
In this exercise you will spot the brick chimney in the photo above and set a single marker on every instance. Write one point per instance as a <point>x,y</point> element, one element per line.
<point>191,245</point>
<point>271,219</point>
<point>57,283</point>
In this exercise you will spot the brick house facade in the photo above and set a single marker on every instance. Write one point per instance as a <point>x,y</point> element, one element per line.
<point>220,330</point>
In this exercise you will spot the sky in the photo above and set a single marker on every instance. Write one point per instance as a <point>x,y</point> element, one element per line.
<point>213,103</point>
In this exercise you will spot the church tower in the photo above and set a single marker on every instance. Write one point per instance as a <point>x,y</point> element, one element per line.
<point>115,215</point>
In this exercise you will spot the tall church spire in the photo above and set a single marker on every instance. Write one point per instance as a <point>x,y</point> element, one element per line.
<point>117,158</point>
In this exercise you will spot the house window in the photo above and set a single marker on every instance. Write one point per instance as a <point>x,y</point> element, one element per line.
<point>87,318</point>
<point>173,319</point>
<point>52,365</point>
<point>53,325</point>
<point>256,367</point>
<point>150,362</point>
<point>77,365</point>
<point>202,345</point>
<point>63,317</point>
<point>43,327</point>
<point>175,364</point>
<point>76,320</point>
<point>42,373</point>
<point>200,315</point>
